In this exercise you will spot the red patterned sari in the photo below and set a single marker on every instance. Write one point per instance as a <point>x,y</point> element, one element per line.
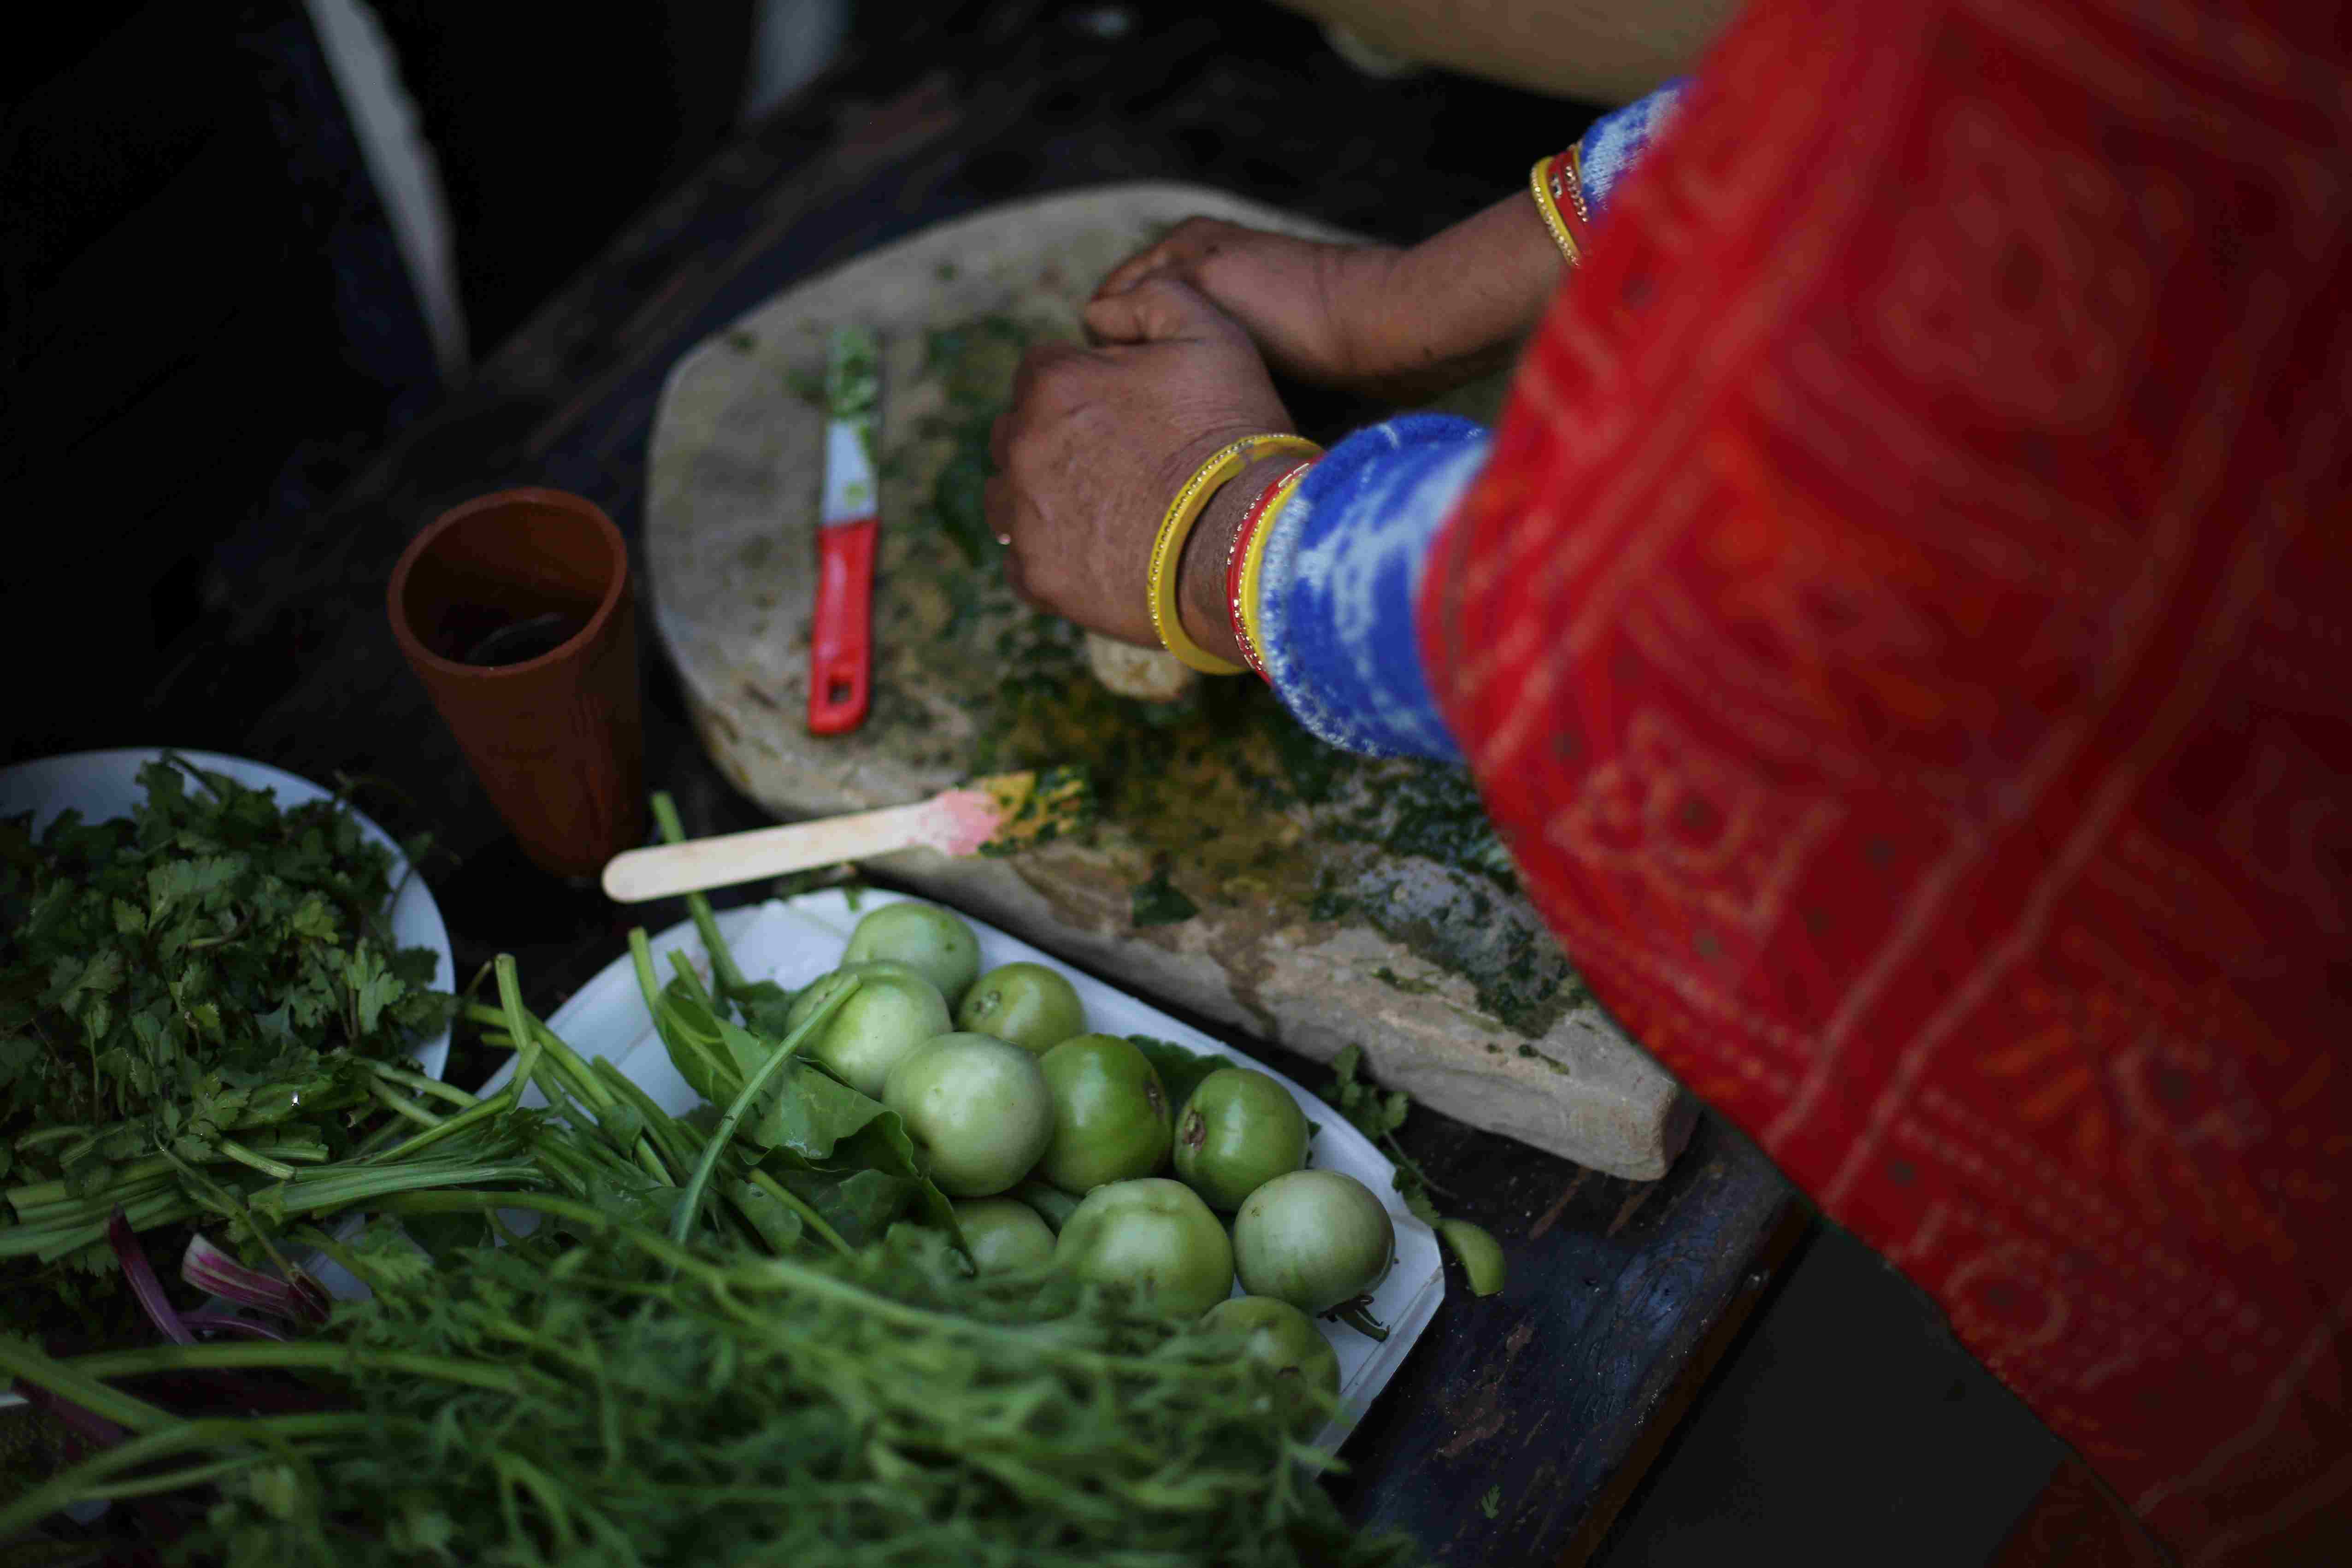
<point>1921,546</point>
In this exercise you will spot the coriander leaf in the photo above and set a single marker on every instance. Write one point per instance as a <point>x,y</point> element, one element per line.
<point>375,988</point>
<point>315,922</point>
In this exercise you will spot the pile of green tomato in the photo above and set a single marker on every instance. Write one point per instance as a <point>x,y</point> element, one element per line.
<point>1052,1141</point>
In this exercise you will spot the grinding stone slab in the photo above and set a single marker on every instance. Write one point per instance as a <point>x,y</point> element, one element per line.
<point>1339,901</point>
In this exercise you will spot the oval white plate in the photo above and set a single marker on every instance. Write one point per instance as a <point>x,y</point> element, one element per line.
<point>793,942</point>
<point>105,784</point>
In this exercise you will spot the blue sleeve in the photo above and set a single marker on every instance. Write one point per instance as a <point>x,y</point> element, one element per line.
<point>1344,561</point>
<point>1613,143</point>
<point>1343,570</point>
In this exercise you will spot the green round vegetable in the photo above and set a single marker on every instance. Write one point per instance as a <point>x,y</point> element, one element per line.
<point>1238,1131</point>
<point>931,939</point>
<point>1313,1238</point>
<point>893,1011</point>
<point>1285,1340</point>
<point>978,1106</point>
<point>1003,1234</point>
<point>1030,1006</point>
<point>1110,1115</point>
<point>1155,1237</point>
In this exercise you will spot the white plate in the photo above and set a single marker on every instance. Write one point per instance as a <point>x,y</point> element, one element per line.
<point>793,942</point>
<point>105,784</point>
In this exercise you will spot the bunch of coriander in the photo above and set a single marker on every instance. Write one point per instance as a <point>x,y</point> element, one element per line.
<point>204,992</point>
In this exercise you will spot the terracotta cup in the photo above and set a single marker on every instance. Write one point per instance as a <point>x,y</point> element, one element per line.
<point>516,612</point>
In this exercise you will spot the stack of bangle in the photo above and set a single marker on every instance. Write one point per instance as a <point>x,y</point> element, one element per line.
<point>1245,563</point>
<point>1176,526</point>
<point>1559,186</point>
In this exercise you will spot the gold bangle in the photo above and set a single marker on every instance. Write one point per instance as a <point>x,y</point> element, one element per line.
<point>1540,182</point>
<point>1574,177</point>
<point>1176,526</point>
<point>1253,562</point>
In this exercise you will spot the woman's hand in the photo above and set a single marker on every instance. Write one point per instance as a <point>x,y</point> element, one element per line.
<point>1400,325</point>
<point>1308,305</point>
<point>1096,442</point>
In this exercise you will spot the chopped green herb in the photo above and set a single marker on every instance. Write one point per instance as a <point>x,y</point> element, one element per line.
<point>1491,1504</point>
<point>1391,978</point>
<point>806,385</point>
<point>1159,902</point>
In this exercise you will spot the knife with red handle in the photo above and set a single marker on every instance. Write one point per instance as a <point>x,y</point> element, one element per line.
<point>841,637</point>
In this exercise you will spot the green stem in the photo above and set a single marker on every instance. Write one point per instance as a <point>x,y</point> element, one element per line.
<point>244,1156</point>
<point>510,993</point>
<point>672,1146</point>
<point>51,1241</point>
<point>50,1192</point>
<point>69,1380</point>
<point>406,1108</point>
<point>682,1223</point>
<point>722,960</point>
<point>676,1037</point>
<point>293,1355</point>
<point>418,1081</point>
<point>86,1480</point>
<point>1358,1315</point>
<point>581,1075</point>
<point>794,1201</point>
<point>339,1189</point>
<point>691,980</point>
<point>48,1209</point>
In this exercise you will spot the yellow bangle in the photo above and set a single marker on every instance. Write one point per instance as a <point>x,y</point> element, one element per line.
<point>1176,526</point>
<point>1254,559</point>
<point>1540,182</point>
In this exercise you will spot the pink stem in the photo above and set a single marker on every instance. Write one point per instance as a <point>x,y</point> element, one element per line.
<point>143,1283</point>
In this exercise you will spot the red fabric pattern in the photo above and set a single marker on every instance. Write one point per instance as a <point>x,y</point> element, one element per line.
<point>1904,636</point>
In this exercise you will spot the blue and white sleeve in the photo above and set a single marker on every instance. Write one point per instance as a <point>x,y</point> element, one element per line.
<point>1345,560</point>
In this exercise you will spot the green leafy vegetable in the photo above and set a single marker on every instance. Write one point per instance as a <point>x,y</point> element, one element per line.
<point>1491,1503</point>
<point>196,992</point>
<point>594,1392</point>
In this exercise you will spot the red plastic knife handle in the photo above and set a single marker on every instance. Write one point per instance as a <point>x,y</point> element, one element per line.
<point>841,637</point>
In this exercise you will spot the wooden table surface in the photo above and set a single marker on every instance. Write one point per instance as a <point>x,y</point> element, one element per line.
<point>1553,1397</point>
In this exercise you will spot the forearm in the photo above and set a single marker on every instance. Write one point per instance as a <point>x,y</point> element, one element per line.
<point>1459,304</point>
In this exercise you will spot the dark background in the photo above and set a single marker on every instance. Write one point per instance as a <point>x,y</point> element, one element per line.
<point>206,329</point>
